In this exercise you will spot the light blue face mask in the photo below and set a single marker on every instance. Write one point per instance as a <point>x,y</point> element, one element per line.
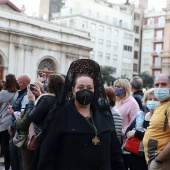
<point>151,104</point>
<point>161,93</point>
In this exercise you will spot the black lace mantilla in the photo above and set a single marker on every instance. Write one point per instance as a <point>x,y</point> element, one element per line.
<point>91,68</point>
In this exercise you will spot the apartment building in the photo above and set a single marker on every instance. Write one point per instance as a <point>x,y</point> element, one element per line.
<point>115,38</point>
<point>153,42</point>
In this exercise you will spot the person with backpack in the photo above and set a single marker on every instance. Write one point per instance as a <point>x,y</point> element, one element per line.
<point>156,140</point>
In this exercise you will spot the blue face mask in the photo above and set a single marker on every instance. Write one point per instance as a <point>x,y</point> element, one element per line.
<point>161,93</point>
<point>119,91</point>
<point>151,104</point>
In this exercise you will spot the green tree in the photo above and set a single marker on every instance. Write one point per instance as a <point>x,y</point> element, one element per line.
<point>148,80</point>
<point>106,73</point>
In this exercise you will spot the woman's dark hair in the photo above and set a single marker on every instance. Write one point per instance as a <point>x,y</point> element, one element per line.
<point>10,83</point>
<point>55,83</point>
<point>110,93</point>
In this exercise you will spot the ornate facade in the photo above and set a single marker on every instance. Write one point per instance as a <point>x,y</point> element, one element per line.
<point>29,45</point>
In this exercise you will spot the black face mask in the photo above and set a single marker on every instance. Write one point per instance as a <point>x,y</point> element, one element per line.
<point>84,97</point>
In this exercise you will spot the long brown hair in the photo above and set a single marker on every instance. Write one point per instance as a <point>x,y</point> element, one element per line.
<point>10,83</point>
<point>110,93</point>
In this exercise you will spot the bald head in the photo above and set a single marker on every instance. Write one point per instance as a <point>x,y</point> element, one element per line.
<point>136,82</point>
<point>23,81</point>
<point>162,81</point>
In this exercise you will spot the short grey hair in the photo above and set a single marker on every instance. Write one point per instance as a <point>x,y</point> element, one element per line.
<point>137,82</point>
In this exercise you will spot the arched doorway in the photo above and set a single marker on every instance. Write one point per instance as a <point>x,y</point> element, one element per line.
<point>47,66</point>
<point>1,68</point>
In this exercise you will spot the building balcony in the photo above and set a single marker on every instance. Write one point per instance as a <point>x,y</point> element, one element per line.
<point>155,53</point>
<point>154,26</point>
<point>157,39</point>
<point>156,66</point>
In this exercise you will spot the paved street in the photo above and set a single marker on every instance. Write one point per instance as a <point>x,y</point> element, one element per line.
<point>1,160</point>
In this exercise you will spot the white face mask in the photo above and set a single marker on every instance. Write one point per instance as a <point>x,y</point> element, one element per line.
<point>161,93</point>
<point>151,104</point>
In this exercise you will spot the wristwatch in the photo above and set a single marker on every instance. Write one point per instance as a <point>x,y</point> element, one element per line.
<point>158,161</point>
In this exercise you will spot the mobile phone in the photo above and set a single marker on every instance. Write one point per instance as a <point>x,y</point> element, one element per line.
<point>40,74</point>
<point>32,87</point>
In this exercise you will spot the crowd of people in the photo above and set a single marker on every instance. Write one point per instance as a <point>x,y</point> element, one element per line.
<point>81,125</point>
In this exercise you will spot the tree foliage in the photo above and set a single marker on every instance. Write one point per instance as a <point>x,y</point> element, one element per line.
<point>148,80</point>
<point>106,73</point>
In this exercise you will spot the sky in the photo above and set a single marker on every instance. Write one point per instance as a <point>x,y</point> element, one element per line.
<point>32,6</point>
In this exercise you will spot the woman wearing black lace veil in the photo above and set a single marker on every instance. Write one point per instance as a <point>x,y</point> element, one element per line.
<point>82,134</point>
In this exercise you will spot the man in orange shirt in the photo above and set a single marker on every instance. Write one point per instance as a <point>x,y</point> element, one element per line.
<point>157,137</point>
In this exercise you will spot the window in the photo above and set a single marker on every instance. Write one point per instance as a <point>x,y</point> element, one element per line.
<point>120,23</point>
<point>136,16</point>
<point>108,30</point>
<point>128,36</point>
<point>125,25</point>
<point>127,48</point>
<point>161,21</point>
<point>135,54</point>
<point>146,61</point>
<point>151,22</point>
<point>156,73</point>
<point>100,41</point>
<point>136,29</point>
<point>63,23</point>
<point>159,34</point>
<point>147,35</point>
<point>101,28</point>
<point>89,12</point>
<point>85,24</point>
<point>92,54</point>
<point>115,57</point>
<point>147,48</point>
<point>157,62</point>
<point>136,42</point>
<point>115,45</point>
<point>114,21</point>
<point>116,33</point>
<point>127,60</point>
<point>97,15</point>
<point>93,27</point>
<point>100,54</point>
<point>158,48</point>
<point>93,39</point>
<point>108,56</point>
<point>106,17</point>
<point>135,67</point>
<point>108,43</point>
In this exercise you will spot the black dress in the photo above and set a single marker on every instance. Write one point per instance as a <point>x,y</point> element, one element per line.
<point>67,144</point>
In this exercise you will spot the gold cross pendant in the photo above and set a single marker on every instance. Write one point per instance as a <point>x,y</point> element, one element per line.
<point>95,140</point>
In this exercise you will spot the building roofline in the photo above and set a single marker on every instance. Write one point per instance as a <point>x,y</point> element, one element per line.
<point>10,4</point>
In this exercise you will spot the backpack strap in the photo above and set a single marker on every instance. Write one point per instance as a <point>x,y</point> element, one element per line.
<point>166,117</point>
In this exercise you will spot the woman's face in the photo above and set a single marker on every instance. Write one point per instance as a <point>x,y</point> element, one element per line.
<point>119,90</point>
<point>152,97</point>
<point>81,83</point>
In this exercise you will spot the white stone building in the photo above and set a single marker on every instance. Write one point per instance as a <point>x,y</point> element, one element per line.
<point>29,45</point>
<point>111,28</point>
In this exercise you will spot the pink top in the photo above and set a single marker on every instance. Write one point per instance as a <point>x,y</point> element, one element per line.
<point>128,110</point>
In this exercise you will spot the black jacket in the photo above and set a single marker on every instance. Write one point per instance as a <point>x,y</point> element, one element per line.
<point>38,113</point>
<point>67,143</point>
<point>138,95</point>
<point>17,105</point>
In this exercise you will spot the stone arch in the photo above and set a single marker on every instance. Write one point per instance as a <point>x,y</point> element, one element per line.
<point>48,66</point>
<point>3,64</point>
